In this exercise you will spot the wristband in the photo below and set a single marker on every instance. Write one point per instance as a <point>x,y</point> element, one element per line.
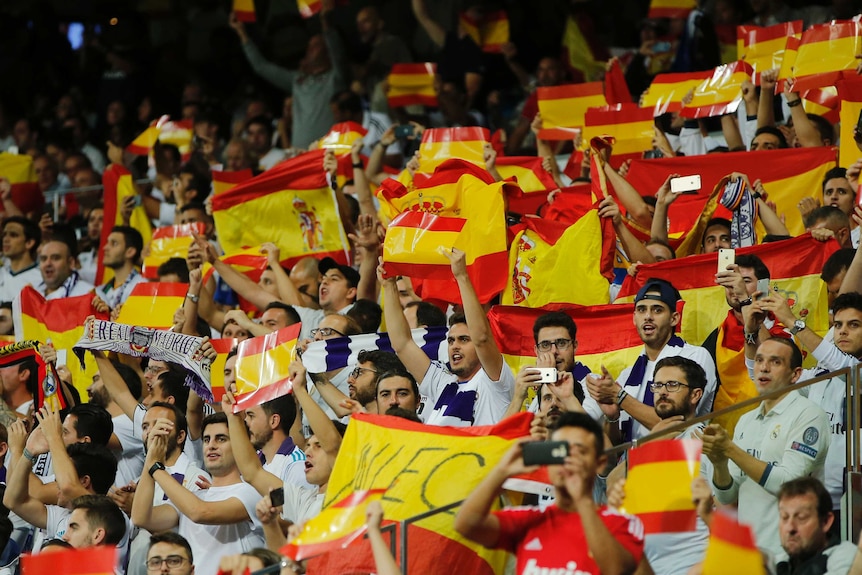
<point>358,165</point>
<point>156,466</point>
<point>29,456</point>
<point>744,302</point>
<point>621,396</point>
<point>794,103</point>
<point>609,420</point>
<point>194,298</point>
<point>750,338</point>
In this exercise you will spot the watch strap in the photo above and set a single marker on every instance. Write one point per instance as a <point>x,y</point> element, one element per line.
<point>155,467</point>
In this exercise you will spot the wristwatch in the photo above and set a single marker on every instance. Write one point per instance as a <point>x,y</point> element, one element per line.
<point>798,326</point>
<point>744,302</point>
<point>156,466</point>
<point>193,298</point>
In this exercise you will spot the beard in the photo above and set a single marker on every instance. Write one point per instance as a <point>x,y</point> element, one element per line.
<point>667,409</point>
<point>259,440</point>
<point>365,396</point>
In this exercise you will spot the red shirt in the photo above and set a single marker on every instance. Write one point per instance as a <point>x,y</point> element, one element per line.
<point>553,542</point>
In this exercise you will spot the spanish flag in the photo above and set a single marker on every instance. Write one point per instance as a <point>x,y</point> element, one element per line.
<point>99,560</point>
<point>731,548</point>
<point>534,183</point>
<point>413,243</point>
<point>153,304</point>
<point>169,242</point>
<point>224,181</point>
<point>727,42</point>
<point>50,394</point>
<point>308,8</point>
<point>721,93</point>
<point>797,279</point>
<point>441,144</point>
<point>666,91</point>
<point>222,347</point>
<point>244,10</point>
<point>491,33</point>
<point>342,136</point>
<point>823,102</point>
<point>616,89</point>
<point>61,321</point>
<point>18,169</point>
<point>144,142</point>
<point>850,95</point>
<point>563,108</point>
<point>671,8</point>
<point>262,367</point>
<point>788,62</point>
<point>420,462</point>
<point>463,191</point>
<point>762,47</point>
<point>118,185</point>
<point>412,84</point>
<point>336,527</point>
<point>248,261</point>
<point>825,51</point>
<point>542,264</point>
<point>290,205</point>
<point>673,464</point>
<point>583,53</point>
<point>631,127</point>
<point>175,132</point>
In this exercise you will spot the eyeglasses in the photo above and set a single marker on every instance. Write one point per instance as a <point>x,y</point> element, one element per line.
<point>358,371</point>
<point>325,331</point>
<point>173,561</point>
<point>561,344</point>
<point>671,386</point>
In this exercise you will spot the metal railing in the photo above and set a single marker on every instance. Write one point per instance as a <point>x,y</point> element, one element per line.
<point>53,198</point>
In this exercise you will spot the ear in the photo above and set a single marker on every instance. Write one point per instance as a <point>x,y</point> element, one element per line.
<point>575,345</point>
<point>351,293</point>
<point>274,421</point>
<point>130,253</point>
<point>86,483</point>
<point>830,518</point>
<point>674,318</point>
<point>4,447</point>
<point>696,395</point>
<point>86,439</point>
<point>181,437</point>
<point>797,373</point>
<point>98,535</point>
<point>29,245</point>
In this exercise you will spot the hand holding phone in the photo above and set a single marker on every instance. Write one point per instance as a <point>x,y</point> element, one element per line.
<point>685,184</point>
<point>544,452</point>
<point>404,131</point>
<point>763,288</point>
<point>726,257</point>
<point>277,497</point>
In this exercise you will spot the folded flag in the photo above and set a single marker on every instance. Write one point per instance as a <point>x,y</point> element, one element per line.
<point>412,84</point>
<point>119,185</point>
<point>175,132</point>
<point>224,181</point>
<point>490,33</point>
<point>534,183</point>
<point>244,10</point>
<point>49,389</point>
<point>18,169</point>
<point>441,144</point>
<point>616,88</point>
<point>563,108</point>
<point>99,560</point>
<point>731,548</point>
<point>788,62</point>
<point>672,463</point>
<point>335,353</point>
<point>850,95</point>
<point>341,137</point>
<point>413,243</point>
<point>826,53</point>
<point>222,347</point>
<point>583,53</point>
<point>721,93</point>
<point>153,304</point>
<point>248,261</point>
<point>263,367</point>
<point>666,92</point>
<point>631,127</point>
<point>417,458</point>
<point>762,47</point>
<point>169,242</point>
<point>671,8</point>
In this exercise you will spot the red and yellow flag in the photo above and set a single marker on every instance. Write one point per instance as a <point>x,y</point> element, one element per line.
<point>342,136</point>
<point>825,51</point>
<point>50,394</point>
<point>491,33</point>
<point>762,47</point>
<point>666,91</point>
<point>671,8</point>
<point>175,132</point>
<point>153,304</point>
<point>169,242</point>
<point>414,240</point>
<point>719,94</point>
<point>731,548</point>
<point>417,478</point>
<point>461,190</point>
<point>308,8</point>
<point>583,53</point>
<point>224,181</point>
<point>631,127</point>
<point>18,169</point>
<point>563,108</point>
<point>244,10</point>
<point>542,264</point>
<point>118,185</point>
<point>616,88</point>
<point>672,463</point>
<point>441,144</point>
<point>785,73</point>
<point>99,560</point>
<point>262,367</point>
<point>850,96</point>
<point>222,347</point>
<point>291,205</point>
<point>823,102</point>
<point>534,183</point>
<point>61,321</point>
<point>412,84</point>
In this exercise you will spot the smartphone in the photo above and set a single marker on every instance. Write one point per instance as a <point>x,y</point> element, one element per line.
<point>404,130</point>
<point>763,288</point>
<point>726,258</point>
<point>545,452</point>
<point>277,497</point>
<point>685,184</point>
<point>138,200</point>
<point>549,374</point>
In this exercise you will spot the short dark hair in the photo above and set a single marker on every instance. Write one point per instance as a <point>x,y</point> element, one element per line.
<point>96,462</point>
<point>285,408</point>
<point>849,300</point>
<point>31,231</point>
<point>130,377</point>
<point>55,542</point>
<point>399,373</point>
<point>428,314</point>
<point>761,272</point>
<point>93,421</point>
<point>795,353</point>
<point>266,556</point>
<point>382,361</point>
<point>173,382</point>
<point>65,235</point>
<point>457,318</point>
<point>260,120</point>
<point>199,206</point>
<point>664,244</point>
<point>180,421</point>
<point>132,238</point>
<point>347,101</point>
<point>175,266</point>
<point>173,538</point>
<point>555,319</point>
<point>103,512</point>
<point>403,414</point>
<point>824,126</point>
<point>782,141</point>
<point>838,262</point>
<point>828,214</point>
<point>292,315</point>
<point>836,172</point>
<point>213,418</point>
<point>367,314</point>
<point>694,374</point>
<point>199,182</point>
<point>804,486</point>
<point>585,422</point>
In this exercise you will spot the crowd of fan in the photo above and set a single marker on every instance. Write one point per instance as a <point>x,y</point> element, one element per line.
<point>174,482</point>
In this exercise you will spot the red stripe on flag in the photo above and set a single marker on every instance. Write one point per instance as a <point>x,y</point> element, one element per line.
<point>669,521</point>
<point>510,428</point>
<point>257,345</point>
<point>161,289</point>
<point>428,222</point>
<point>725,528</point>
<point>262,395</point>
<point>661,452</point>
<point>412,100</point>
<point>750,35</point>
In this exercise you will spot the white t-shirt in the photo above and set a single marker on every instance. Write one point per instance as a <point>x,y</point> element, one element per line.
<point>477,401</point>
<point>58,522</point>
<point>186,472</point>
<point>271,158</point>
<point>72,287</point>
<point>301,503</point>
<point>130,459</point>
<point>117,295</point>
<point>288,464</point>
<point>12,283</point>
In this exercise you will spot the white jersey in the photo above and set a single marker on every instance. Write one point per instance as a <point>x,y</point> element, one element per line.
<point>288,464</point>
<point>11,283</point>
<point>186,472</point>
<point>793,440</point>
<point>130,458</point>
<point>477,401</point>
<point>116,296</point>
<point>72,287</point>
<point>301,503</point>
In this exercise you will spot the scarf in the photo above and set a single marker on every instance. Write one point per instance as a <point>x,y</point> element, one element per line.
<point>737,198</point>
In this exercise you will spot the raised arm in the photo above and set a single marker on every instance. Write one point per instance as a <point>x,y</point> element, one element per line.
<point>664,198</point>
<point>117,388</point>
<point>276,75</point>
<point>765,109</point>
<point>368,243</point>
<point>190,304</point>
<point>629,197</point>
<point>68,481</point>
<point>410,354</point>
<point>17,496</point>
<point>634,248</point>
<point>806,132</point>
<point>247,461</point>
<point>770,220</point>
<point>154,518</point>
<point>323,427</point>
<point>853,278</point>
<point>431,27</point>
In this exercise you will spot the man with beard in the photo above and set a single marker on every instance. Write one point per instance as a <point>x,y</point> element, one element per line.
<point>397,389</point>
<point>21,238</point>
<point>630,400</point>
<point>121,251</point>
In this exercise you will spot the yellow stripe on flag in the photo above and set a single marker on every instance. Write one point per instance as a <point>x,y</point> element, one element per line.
<point>441,144</point>
<point>721,93</point>
<point>410,84</point>
<point>631,127</point>
<point>416,238</point>
<point>153,304</point>
<point>675,477</point>
<point>824,51</point>
<point>563,108</point>
<point>671,8</point>
<point>244,10</point>
<point>850,95</point>
<point>263,367</point>
<point>731,548</point>
<point>666,92</point>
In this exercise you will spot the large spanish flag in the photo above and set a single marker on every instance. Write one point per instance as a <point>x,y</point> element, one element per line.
<point>542,263</point>
<point>420,461</point>
<point>169,242</point>
<point>153,304</point>
<point>262,367</point>
<point>666,91</point>
<point>291,205</point>
<point>61,321</point>
<point>441,144</point>
<point>671,8</point>
<point>118,185</point>
<point>18,169</point>
<point>224,181</point>
<point>99,560</point>
<point>490,33</point>
<point>825,51</point>
<point>850,96</point>
<point>563,108</point>
<point>762,47</point>
<point>411,84</point>
<point>721,93</point>
<point>583,52</point>
<point>673,464</point>
<point>222,347</point>
<point>631,127</point>
<point>461,190</point>
<point>244,10</point>
<point>249,261</point>
<point>731,548</point>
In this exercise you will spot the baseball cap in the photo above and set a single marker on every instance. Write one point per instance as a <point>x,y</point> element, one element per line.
<point>350,274</point>
<point>666,293</point>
